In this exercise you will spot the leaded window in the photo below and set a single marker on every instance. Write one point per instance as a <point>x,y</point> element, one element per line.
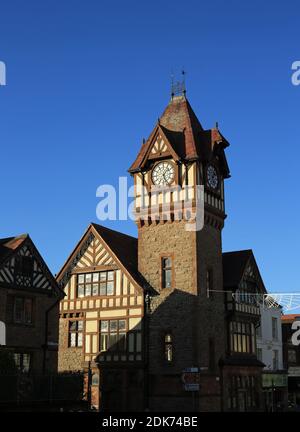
<point>166,272</point>
<point>113,335</point>
<point>96,284</point>
<point>75,333</point>
<point>22,361</point>
<point>22,310</point>
<point>242,337</point>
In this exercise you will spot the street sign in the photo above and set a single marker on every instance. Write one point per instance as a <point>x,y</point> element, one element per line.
<point>191,379</point>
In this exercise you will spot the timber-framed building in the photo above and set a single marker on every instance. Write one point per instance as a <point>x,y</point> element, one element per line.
<point>140,311</point>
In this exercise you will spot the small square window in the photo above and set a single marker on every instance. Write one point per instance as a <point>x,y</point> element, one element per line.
<point>81,291</point>
<point>104,326</point>
<point>110,275</point>
<point>95,289</point>
<point>95,277</point>
<point>110,288</point>
<point>122,324</point>
<point>103,276</point>
<point>88,289</point>
<point>113,325</point>
<point>103,289</point>
<point>81,278</point>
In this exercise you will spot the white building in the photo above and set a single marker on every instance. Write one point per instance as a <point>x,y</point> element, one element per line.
<point>270,352</point>
<point>269,338</point>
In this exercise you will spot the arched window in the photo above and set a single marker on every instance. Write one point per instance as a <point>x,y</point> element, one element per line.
<point>168,348</point>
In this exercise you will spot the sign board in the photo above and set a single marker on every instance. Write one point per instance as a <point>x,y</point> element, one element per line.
<point>191,379</point>
<point>294,371</point>
<point>274,380</point>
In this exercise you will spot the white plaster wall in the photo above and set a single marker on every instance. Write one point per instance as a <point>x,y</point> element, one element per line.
<point>266,342</point>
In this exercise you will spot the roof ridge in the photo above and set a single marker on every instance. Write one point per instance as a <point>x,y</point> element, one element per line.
<point>95,225</point>
<point>237,251</point>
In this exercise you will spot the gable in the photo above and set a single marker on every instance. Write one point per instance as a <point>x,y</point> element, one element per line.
<point>251,279</point>
<point>100,247</point>
<point>158,147</point>
<point>25,269</point>
<point>95,255</point>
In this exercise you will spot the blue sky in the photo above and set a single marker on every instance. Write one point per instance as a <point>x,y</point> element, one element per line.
<point>86,81</point>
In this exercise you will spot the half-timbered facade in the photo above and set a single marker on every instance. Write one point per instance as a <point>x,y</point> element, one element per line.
<point>182,262</point>
<point>29,307</point>
<point>101,328</point>
<point>241,369</point>
<point>138,313</point>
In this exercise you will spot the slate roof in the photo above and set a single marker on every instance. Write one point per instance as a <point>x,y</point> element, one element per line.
<point>234,264</point>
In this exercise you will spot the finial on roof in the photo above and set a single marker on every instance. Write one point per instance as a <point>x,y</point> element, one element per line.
<point>144,140</point>
<point>178,87</point>
<point>217,125</point>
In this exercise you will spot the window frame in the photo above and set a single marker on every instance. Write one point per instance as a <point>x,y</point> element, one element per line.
<point>110,334</point>
<point>259,353</point>
<point>164,269</point>
<point>77,332</point>
<point>99,282</point>
<point>274,328</point>
<point>209,282</point>
<point>275,360</point>
<point>242,335</point>
<point>22,320</point>
<point>20,366</point>
<point>168,346</point>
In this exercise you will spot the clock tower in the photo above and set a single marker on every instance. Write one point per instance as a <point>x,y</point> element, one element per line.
<point>179,176</point>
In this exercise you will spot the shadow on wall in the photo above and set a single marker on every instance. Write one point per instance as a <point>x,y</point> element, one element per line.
<point>171,336</point>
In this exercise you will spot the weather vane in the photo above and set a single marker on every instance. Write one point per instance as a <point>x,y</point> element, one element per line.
<point>178,87</point>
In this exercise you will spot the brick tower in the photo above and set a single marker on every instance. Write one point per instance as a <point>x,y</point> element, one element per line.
<point>185,324</point>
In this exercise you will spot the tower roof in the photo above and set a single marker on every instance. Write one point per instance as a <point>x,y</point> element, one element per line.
<point>185,134</point>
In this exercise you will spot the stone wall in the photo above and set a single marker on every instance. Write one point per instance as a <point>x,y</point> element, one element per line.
<point>196,322</point>
<point>69,359</point>
<point>31,338</point>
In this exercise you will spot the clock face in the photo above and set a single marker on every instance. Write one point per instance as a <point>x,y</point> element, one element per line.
<point>163,174</point>
<point>212,177</point>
